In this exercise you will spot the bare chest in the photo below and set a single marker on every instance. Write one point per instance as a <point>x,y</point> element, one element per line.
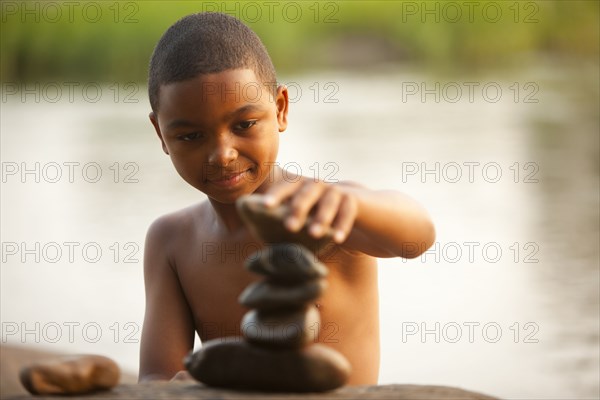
<point>212,276</point>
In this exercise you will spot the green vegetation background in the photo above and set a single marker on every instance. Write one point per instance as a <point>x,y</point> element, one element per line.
<point>40,45</point>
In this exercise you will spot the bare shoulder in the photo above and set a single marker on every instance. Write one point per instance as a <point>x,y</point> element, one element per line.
<point>170,231</point>
<point>177,222</point>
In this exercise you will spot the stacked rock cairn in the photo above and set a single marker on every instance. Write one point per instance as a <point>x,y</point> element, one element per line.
<point>278,351</point>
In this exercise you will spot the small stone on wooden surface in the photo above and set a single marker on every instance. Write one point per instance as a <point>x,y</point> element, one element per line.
<point>232,363</point>
<point>73,375</point>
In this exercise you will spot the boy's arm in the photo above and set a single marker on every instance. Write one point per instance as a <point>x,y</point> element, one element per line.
<point>378,223</point>
<point>168,332</point>
<point>388,223</point>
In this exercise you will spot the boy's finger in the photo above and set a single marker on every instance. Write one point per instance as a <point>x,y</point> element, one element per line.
<point>302,202</point>
<point>345,219</point>
<point>327,210</point>
<point>182,376</point>
<point>278,193</point>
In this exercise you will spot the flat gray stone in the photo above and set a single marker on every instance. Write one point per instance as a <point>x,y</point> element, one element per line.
<point>266,295</point>
<point>286,263</point>
<point>235,364</point>
<point>290,329</point>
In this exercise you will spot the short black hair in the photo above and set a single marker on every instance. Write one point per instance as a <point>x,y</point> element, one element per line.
<point>206,43</point>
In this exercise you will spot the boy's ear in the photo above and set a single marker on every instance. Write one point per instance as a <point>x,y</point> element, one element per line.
<point>282,103</point>
<point>154,121</point>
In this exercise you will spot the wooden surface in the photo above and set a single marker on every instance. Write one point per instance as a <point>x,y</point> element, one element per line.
<point>196,391</point>
<point>13,358</point>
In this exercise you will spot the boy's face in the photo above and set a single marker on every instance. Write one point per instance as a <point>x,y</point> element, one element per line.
<point>221,131</point>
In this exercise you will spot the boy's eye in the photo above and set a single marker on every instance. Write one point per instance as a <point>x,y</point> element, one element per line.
<point>189,137</point>
<point>246,125</point>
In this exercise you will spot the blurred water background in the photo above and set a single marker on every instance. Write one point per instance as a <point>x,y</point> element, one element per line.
<point>491,122</point>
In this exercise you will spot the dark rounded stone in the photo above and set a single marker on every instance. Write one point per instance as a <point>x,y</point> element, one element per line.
<point>267,224</point>
<point>267,295</point>
<point>286,263</point>
<point>281,328</point>
<point>74,375</point>
<point>233,363</point>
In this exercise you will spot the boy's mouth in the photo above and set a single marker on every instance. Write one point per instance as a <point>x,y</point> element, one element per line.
<point>226,179</point>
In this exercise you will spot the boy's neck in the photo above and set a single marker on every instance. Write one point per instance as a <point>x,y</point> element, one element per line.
<point>227,216</point>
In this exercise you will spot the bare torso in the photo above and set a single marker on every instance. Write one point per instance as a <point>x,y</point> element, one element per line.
<point>208,262</point>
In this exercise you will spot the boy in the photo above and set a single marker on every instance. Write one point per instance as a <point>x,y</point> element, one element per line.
<point>218,115</point>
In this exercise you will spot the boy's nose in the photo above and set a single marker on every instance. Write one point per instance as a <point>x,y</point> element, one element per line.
<point>223,153</point>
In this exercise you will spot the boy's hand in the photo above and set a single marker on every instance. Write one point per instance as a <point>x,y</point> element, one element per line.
<point>182,376</point>
<point>318,204</point>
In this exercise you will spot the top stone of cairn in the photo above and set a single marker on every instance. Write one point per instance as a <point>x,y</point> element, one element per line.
<point>267,224</point>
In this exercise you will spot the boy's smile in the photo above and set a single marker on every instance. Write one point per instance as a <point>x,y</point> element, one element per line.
<point>221,131</point>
